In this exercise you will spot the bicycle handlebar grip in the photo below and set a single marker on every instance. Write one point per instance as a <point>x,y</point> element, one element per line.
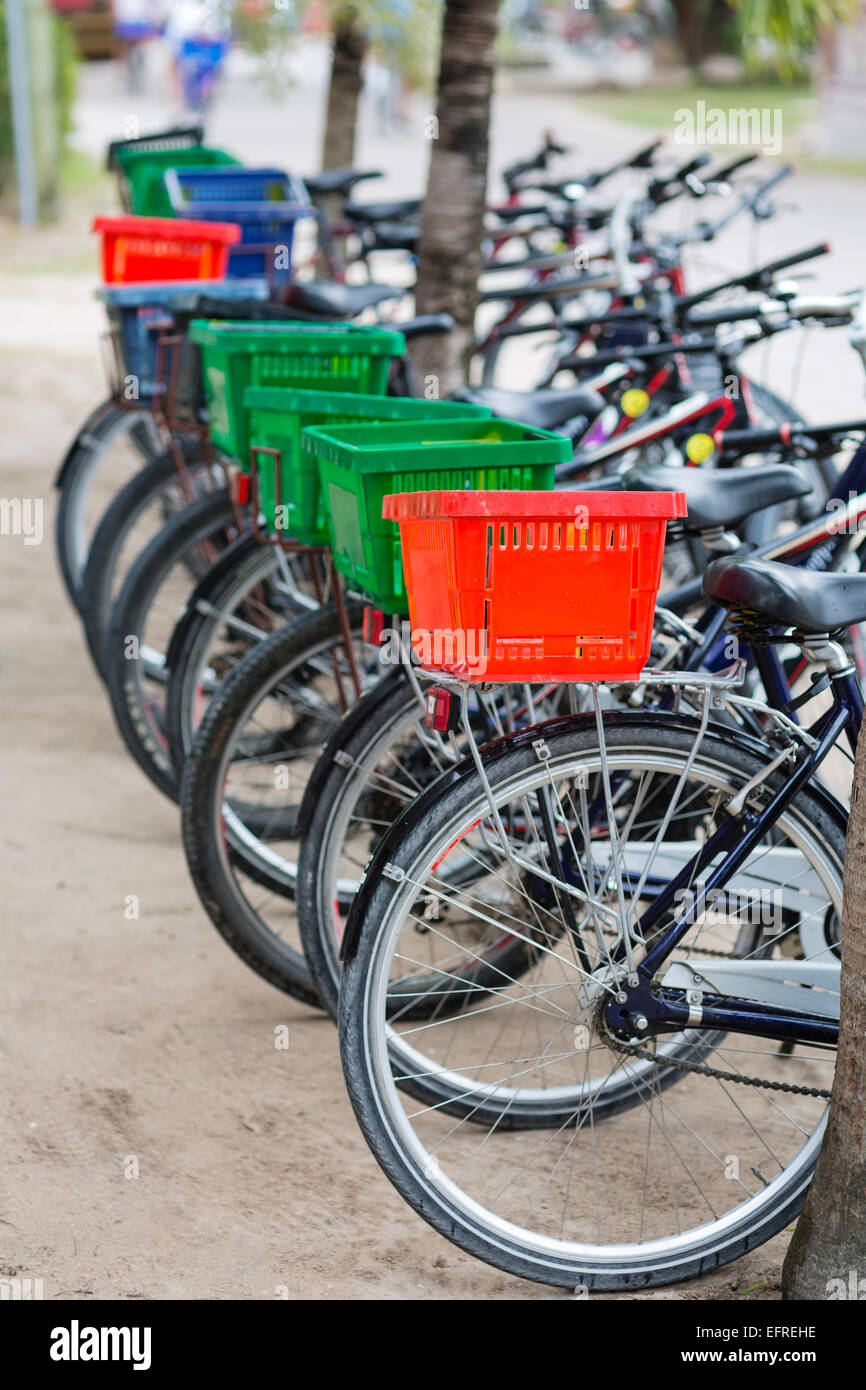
<point>700,161</point>
<point>741,441</point>
<point>644,158</point>
<point>734,313</point>
<point>796,258</point>
<point>731,168</point>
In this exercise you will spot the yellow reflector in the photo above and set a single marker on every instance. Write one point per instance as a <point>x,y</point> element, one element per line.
<point>699,447</point>
<point>634,402</point>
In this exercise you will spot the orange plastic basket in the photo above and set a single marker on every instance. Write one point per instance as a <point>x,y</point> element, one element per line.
<point>533,586</point>
<point>136,249</point>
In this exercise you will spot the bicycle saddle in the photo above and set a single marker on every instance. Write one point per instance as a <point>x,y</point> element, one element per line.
<point>423,324</point>
<point>720,497</point>
<point>787,596</point>
<point>395,236</point>
<point>338,180</point>
<point>513,214</point>
<point>336,301</point>
<point>383,212</point>
<point>545,410</point>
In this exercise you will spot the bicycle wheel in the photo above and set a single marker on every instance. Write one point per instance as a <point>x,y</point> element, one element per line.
<point>244,779</point>
<point>143,619</point>
<point>111,445</point>
<point>249,592</point>
<point>520,1128</point>
<point>140,509</point>
<point>380,758</point>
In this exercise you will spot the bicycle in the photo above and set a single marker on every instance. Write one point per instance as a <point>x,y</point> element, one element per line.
<point>536,1125</point>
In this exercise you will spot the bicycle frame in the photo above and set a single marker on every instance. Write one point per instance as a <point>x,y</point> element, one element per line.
<point>737,839</point>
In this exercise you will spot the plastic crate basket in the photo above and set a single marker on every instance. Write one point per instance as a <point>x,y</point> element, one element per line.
<point>533,586</point>
<point>175,138</point>
<point>326,357</point>
<point>289,477</point>
<point>135,249</point>
<point>359,465</point>
<point>266,203</point>
<point>138,313</point>
<point>144,170</point>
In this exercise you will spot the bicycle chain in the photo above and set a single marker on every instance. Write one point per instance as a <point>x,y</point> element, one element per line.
<point>703,1070</point>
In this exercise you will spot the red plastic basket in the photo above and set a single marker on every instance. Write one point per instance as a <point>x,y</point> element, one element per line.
<point>135,249</point>
<point>533,586</point>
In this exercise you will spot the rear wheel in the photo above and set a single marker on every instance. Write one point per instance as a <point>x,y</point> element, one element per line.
<point>111,446</point>
<point>244,780</point>
<point>139,510</point>
<point>143,619</point>
<point>522,1129</point>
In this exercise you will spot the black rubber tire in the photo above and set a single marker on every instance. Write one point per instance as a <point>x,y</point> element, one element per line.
<point>99,425</point>
<point>243,558</point>
<point>404,848</point>
<point>201,796</point>
<point>211,518</point>
<point>99,583</point>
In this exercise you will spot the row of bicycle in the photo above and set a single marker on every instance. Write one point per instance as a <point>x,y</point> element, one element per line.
<point>559,857</point>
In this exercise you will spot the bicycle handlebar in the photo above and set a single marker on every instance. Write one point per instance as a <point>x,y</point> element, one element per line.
<point>758,279</point>
<point>663,190</point>
<point>640,352</point>
<point>749,441</point>
<point>723,174</point>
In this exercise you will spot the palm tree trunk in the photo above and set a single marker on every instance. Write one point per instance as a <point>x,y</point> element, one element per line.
<point>830,1240</point>
<point>449,259</point>
<point>350,46</point>
<point>699,24</point>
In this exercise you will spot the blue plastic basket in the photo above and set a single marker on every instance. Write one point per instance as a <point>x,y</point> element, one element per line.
<point>265,202</point>
<point>137,313</point>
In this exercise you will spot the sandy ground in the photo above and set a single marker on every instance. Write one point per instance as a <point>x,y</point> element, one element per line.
<point>143,1046</point>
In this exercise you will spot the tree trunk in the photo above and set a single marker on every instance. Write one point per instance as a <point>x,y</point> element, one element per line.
<point>830,1240</point>
<point>350,46</point>
<point>698,23</point>
<point>449,259</point>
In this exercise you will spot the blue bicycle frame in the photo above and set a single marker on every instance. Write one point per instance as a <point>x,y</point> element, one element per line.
<point>737,839</point>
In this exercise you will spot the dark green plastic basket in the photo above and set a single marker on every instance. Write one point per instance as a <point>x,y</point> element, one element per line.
<point>143,171</point>
<point>359,464</point>
<point>322,357</point>
<point>277,417</point>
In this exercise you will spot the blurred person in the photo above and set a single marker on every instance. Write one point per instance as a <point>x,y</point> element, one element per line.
<point>383,85</point>
<point>198,33</point>
<point>135,21</point>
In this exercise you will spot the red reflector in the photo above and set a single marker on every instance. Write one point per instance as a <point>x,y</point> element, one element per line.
<point>374,625</point>
<point>242,489</point>
<point>443,711</point>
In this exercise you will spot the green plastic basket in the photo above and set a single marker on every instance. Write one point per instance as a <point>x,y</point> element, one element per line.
<point>277,418</point>
<point>359,464</point>
<point>144,170</point>
<point>334,356</point>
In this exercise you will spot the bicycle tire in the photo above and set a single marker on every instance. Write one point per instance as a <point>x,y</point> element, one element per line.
<point>209,854</point>
<point>406,850</point>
